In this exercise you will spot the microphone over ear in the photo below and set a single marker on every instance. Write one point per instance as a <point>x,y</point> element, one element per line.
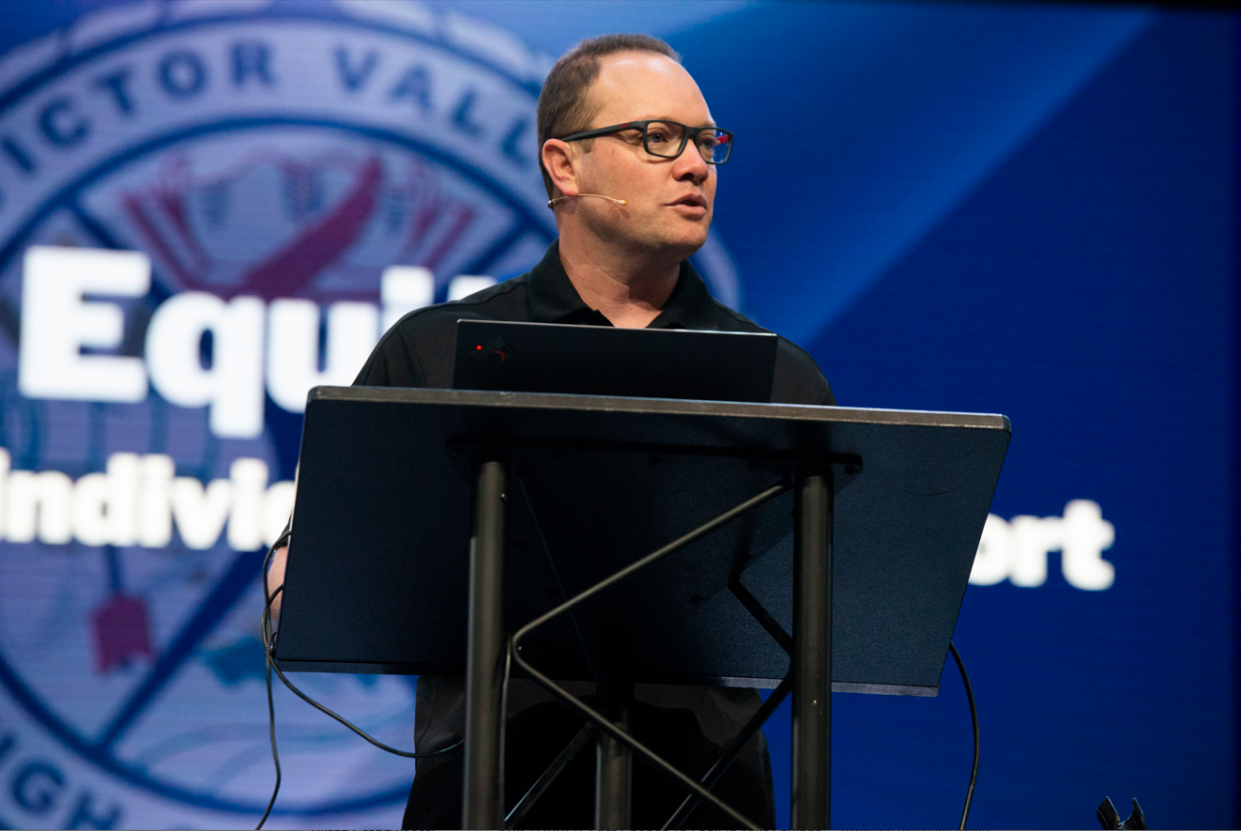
<point>559,199</point>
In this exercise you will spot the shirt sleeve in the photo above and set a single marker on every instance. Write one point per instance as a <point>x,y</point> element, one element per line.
<point>827,398</point>
<point>798,379</point>
<point>394,361</point>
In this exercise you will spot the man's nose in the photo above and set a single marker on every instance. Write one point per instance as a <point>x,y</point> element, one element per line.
<point>691,165</point>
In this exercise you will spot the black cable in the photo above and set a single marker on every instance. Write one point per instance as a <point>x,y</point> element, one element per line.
<point>269,647</point>
<point>268,597</point>
<point>271,723</point>
<point>969,694</point>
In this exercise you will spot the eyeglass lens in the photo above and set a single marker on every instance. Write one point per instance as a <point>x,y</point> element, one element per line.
<point>664,138</point>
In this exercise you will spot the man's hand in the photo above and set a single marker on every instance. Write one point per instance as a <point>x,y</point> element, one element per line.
<point>275,578</point>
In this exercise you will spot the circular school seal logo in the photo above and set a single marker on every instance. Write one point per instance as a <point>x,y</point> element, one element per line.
<point>271,164</point>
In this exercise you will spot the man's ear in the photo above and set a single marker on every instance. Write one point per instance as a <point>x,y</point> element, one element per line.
<point>560,161</point>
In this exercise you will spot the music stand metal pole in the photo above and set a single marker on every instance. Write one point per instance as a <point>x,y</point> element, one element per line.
<point>483,795</point>
<point>614,770</point>
<point>812,651</point>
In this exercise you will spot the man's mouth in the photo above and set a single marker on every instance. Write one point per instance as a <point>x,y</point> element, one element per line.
<point>692,200</point>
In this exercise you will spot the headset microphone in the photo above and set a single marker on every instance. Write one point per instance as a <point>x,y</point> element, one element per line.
<point>559,199</point>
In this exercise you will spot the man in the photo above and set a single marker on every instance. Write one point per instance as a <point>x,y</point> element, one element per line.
<point>629,153</point>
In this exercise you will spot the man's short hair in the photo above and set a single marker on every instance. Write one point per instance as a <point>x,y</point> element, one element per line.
<point>564,103</point>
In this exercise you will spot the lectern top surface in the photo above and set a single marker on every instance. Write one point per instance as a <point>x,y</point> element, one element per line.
<point>670,406</point>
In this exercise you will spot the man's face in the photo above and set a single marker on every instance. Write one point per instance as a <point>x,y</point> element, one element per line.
<point>670,200</point>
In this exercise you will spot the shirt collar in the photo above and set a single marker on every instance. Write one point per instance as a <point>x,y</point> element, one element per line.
<point>554,299</point>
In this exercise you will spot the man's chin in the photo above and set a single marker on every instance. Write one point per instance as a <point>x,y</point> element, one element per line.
<point>670,242</point>
<point>689,244</point>
<point>686,236</point>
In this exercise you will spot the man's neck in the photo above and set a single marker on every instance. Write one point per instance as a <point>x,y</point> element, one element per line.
<point>628,290</point>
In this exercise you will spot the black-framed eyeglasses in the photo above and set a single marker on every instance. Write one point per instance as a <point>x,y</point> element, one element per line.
<point>667,139</point>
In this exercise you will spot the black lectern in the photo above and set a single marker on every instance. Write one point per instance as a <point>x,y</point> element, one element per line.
<point>634,540</point>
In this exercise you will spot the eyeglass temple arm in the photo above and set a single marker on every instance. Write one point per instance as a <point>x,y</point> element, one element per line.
<point>602,131</point>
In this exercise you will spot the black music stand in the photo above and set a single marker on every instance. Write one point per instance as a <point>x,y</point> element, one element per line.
<point>396,485</point>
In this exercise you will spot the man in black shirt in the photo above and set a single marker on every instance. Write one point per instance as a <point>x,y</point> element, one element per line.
<point>418,352</point>
<point>629,154</point>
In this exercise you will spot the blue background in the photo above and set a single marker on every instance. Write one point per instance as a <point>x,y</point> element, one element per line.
<point>1017,208</point>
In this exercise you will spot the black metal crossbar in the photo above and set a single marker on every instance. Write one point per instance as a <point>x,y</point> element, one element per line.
<point>574,747</point>
<point>731,752</point>
<point>600,588</point>
<point>760,614</point>
<point>756,722</point>
<point>634,569</point>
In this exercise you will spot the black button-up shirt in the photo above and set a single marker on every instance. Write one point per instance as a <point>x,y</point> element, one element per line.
<point>418,352</point>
